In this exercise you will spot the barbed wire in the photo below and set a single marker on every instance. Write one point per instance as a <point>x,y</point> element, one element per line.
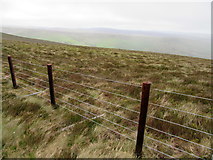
<point>114,131</point>
<point>173,147</point>
<point>32,82</point>
<point>106,79</point>
<point>99,108</point>
<point>180,125</point>
<point>33,64</point>
<point>93,121</point>
<point>115,81</point>
<point>158,151</point>
<point>183,94</point>
<point>151,117</point>
<point>110,103</point>
<point>34,89</point>
<point>148,116</point>
<point>100,124</point>
<point>32,77</point>
<point>172,135</point>
<point>164,120</point>
<point>100,117</point>
<point>98,89</point>
<point>20,67</point>
<point>85,75</point>
<point>180,110</point>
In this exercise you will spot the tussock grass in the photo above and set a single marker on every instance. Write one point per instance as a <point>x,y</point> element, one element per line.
<point>37,126</point>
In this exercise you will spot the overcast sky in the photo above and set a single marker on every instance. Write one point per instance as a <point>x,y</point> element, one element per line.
<point>185,16</point>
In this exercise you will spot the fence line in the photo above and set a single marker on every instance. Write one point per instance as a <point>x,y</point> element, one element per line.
<point>114,130</point>
<point>115,114</point>
<point>180,125</point>
<point>93,106</point>
<point>100,117</point>
<point>183,94</point>
<point>148,116</point>
<point>95,121</point>
<point>99,123</point>
<point>32,76</point>
<point>120,95</point>
<point>30,70</point>
<point>32,91</point>
<point>32,82</point>
<point>110,103</point>
<point>33,94</point>
<point>116,105</point>
<point>159,151</point>
<point>174,147</point>
<point>152,117</point>
<point>110,80</point>
<point>180,110</point>
<point>100,108</point>
<point>33,64</point>
<point>106,79</point>
<point>124,107</point>
<point>137,122</point>
<point>172,135</point>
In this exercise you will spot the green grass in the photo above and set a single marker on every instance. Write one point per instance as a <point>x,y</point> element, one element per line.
<point>32,128</point>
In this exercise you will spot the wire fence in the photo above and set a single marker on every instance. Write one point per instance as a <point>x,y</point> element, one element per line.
<point>32,78</point>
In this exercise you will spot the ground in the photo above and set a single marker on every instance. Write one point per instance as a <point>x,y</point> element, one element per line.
<point>33,128</point>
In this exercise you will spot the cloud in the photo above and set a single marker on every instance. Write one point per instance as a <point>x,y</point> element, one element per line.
<point>135,14</point>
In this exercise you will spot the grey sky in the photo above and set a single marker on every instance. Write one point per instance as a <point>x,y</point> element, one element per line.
<point>185,16</point>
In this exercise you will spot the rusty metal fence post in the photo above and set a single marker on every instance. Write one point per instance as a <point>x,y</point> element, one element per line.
<point>12,72</point>
<point>142,118</point>
<point>51,85</point>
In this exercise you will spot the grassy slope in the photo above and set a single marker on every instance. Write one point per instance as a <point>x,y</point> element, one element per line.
<point>182,44</point>
<point>31,128</point>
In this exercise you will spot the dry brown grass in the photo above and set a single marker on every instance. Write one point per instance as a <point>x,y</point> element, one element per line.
<point>41,123</point>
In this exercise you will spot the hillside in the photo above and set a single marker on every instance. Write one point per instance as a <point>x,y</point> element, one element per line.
<point>33,129</point>
<point>188,44</point>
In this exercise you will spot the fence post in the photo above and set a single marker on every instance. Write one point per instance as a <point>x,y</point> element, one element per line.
<point>12,72</point>
<point>142,118</point>
<point>51,86</point>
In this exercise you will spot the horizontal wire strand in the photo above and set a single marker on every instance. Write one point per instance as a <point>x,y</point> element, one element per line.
<point>20,67</point>
<point>34,89</point>
<point>31,82</point>
<point>188,95</point>
<point>158,151</point>
<point>151,117</point>
<point>175,124</point>
<point>106,79</point>
<point>33,64</point>
<point>97,89</point>
<point>110,103</point>
<point>172,135</point>
<point>180,125</point>
<point>110,80</point>
<point>174,147</point>
<point>100,117</point>
<point>99,108</point>
<point>85,75</point>
<point>97,122</point>
<point>33,77</point>
<point>180,110</point>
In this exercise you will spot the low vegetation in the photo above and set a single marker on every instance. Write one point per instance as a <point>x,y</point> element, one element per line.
<point>32,128</point>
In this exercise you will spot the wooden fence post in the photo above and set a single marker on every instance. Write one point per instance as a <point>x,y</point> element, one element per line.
<point>142,118</point>
<point>51,85</point>
<point>12,72</point>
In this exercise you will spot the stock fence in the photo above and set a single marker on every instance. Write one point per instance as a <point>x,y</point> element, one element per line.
<point>31,79</point>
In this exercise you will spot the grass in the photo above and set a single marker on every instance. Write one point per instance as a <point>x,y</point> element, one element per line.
<point>38,127</point>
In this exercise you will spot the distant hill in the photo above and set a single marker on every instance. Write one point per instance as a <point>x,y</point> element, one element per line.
<point>195,45</point>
